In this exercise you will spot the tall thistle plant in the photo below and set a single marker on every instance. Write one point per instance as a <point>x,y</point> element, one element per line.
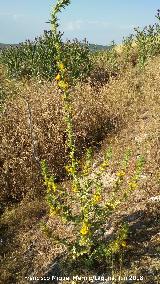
<point>87,219</point>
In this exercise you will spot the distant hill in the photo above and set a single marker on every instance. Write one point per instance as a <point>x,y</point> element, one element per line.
<point>93,47</point>
<point>5,45</point>
<point>96,47</point>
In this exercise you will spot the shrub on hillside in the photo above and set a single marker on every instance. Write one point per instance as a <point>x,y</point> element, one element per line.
<point>38,58</point>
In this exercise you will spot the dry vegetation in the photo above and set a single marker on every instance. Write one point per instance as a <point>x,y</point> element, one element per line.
<point>122,113</point>
<point>118,105</point>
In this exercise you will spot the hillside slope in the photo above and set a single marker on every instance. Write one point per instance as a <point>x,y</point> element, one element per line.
<point>122,113</point>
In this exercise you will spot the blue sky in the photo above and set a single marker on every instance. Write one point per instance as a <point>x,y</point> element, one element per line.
<point>100,21</point>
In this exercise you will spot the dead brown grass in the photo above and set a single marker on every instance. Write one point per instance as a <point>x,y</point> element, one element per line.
<point>33,129</point>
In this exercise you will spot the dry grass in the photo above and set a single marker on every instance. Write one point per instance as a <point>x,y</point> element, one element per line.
<point>33,128</point>
<point>122,113</point>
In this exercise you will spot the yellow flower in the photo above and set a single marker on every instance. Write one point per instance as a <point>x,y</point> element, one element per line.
<point>85,229</point>
<point>123,244</point>
<point>74,188</point>
<point>133,185</point>
<point>114,246</point>
<point>70,169</point>
<point>86,170</point>
<point>63,85</point>
<point>58,77</point>
<point>54,186</point>
<point>96,198</point>
<point>121,174</point>
<point>54,211</point>
<point>61,66</point>
<point>104,165</point>
<point>111,205</point>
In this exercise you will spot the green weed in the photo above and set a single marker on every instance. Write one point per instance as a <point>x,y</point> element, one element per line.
<point>89,217</point>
